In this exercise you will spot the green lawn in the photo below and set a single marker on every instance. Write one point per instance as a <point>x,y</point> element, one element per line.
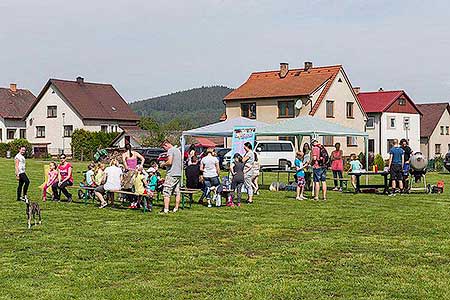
<point>352,247</point>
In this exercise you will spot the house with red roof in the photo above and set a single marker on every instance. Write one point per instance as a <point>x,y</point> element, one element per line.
<point>325,92</point>
<point>14,105</point>
<point>390,115</point>
<point>63,106</point>
<point>435,129</point>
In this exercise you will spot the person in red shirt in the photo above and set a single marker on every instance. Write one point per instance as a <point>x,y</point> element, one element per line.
<point>337,166</point>
<point>65,179</point>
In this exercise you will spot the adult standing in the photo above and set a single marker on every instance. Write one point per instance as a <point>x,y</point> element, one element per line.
<point>209,165</point>
<point>130,158</point>
<point>248,160</point>
<point>319,164</point>
<point>396,161</point>
<point>112,178</point>
<point>172,181</point>
<point>307,160</point>
<point>21,176</point>
<point>337,166</point>
<point>65,179</point>
<point>406,166</point>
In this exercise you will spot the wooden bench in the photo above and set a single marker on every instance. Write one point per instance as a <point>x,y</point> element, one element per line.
<point>344,182</point>
<point>185,192</point>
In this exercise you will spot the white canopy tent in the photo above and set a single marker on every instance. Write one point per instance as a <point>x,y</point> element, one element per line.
<point>313,127</point>
<point>219,129</point>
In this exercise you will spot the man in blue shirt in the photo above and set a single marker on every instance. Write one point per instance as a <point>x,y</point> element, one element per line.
<point>396,161</point>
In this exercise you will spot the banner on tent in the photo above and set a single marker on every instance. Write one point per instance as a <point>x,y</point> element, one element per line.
<point>242,135</point>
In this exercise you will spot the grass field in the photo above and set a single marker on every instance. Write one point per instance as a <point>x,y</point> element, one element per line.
<point>352,247</point>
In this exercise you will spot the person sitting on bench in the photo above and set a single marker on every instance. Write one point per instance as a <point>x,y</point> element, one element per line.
<point>113,176</point>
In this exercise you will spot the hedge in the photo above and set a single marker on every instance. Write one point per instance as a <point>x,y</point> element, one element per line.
<point>86,143</point>
<point>14,145</point>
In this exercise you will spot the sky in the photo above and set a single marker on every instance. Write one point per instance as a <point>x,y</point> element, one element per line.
<point>149,48</point>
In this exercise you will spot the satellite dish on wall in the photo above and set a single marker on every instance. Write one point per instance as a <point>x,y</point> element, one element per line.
<point>299,104</point>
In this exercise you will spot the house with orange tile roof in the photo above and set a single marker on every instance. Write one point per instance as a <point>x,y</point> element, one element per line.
<point>14,104</point>
<point>325,92</point>
<point>435,129</point>
<point>390,115</point>
<point>63,106</point>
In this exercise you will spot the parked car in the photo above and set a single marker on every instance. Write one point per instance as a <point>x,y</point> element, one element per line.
<point>221,152</point>
<point>271,154</point>
<point>151,155</point>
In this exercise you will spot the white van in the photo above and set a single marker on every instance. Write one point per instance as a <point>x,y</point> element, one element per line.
<point>271,154</point>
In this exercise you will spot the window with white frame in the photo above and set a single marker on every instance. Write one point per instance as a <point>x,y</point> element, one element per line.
<point>51,111</point>
<point>40,131</point>
<point>10,134</point>
<point>442,130</point>
<point>437,149</point>
<point>104,128</point>
<point>328,140</point>
<point>349,110</point>
<point>352,141</point>
<point>370,122</point>
<point>330,109</point>
<point>23,133</point>
<point>391,122</point>
<point>447,130</point>
<point>68,130</point>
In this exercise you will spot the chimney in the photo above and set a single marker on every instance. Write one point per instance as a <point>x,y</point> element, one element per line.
<point>80,80</point>
<point>308,65</point>
<point>284,69</point>
<point>13,87</point>
<point>356,89</point>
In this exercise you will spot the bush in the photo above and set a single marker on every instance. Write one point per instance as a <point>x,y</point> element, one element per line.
<point>86,143</point>
<point>3,148</point>
<point>14,145</point>
<point>379,161</point>
<point>438,163</point>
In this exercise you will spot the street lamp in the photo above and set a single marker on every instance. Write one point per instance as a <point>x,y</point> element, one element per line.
<point>63,116</point>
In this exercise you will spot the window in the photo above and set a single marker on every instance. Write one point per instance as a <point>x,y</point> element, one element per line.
<point>287,138</point>
<point>51,112</point>
<point>448,147</point>
<point>442,130</point>
<point>352,141</point>
<point>114,128</point>
<point>23,133</point>
<point>40,131</point>
<point>285,109</point>
<point>371,145</point>
<point>275,147</point>
<point>248,110</point>
<point>68,130</point>
<point>446,130</point>
<point>10,134</point>
<point>104,128</point>
<point>390,144</point>
<point>31,122</point>
<point>349,110</point>
<point>328,141</point>
<point>391,122</point>
<point>1,134</point>
<point>402,101</point>
<point>330,109</point>
<point>437,149</point>
<point>370,122</point>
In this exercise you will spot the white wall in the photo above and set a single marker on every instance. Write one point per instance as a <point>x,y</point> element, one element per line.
<point>399,132</point>
<point>6,124</point>
<point>374,133</point>
<point>437,138</point>
<point>54,126</point>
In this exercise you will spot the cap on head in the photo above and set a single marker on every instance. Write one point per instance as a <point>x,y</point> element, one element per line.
<point>62,156</point>
<point>151,170</point>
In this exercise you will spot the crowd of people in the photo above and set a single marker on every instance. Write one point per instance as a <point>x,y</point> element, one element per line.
<point>311,165</point>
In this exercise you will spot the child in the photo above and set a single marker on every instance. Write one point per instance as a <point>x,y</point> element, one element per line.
<point>152,181</point>
<point>52,178</point>
<point>355,166</point>
<point>299,167</point>
<point>99,174</point>
<point>89,176</point>
<point>238,179</point>
<point>139,186</point>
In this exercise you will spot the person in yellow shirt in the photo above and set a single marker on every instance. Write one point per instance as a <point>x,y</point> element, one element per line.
<point>140,181</point>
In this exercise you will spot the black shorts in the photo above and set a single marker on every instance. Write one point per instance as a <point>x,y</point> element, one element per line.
<point>100,189</point>
<point>396,172</point>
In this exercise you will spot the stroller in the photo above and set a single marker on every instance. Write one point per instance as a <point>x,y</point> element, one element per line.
<point>418,180</point>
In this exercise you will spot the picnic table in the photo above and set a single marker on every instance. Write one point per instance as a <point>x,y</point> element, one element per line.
<point>359,186</point>
<point>278,171</point>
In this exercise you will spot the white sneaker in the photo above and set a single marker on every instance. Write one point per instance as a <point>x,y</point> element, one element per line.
<point>303,198</point>
<point>298,198</point>
<point>175,210</point>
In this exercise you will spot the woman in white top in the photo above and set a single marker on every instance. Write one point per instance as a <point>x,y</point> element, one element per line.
<point>209,165</point>
<point>112,178</point>
<point>249,159</point>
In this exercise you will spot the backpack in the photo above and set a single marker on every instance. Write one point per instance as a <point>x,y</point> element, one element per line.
<point>324,159</point>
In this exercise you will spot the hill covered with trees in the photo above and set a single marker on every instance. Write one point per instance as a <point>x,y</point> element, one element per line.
<point>191,108</point>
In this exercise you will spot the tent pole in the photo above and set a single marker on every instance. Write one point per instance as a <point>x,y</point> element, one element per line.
<point>366,150</point>
<point>182,142</point>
